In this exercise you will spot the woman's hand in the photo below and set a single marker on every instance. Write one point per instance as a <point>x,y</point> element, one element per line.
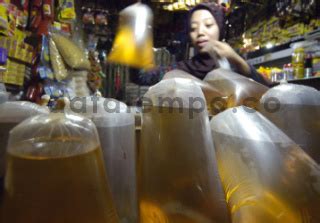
<point>218,49</point>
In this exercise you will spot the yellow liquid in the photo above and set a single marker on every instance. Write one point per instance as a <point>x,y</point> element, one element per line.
<point>271,183</point>
<point>240,92</point>
<point>57,190</point>
<point>4,135</point>
<point>178,179</point>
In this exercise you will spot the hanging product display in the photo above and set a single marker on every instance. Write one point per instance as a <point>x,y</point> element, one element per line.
<point>63,152</point>
<point>71,53</point>
<point>57,63</point>
<point>177,171</point>
<point>267,178</point>
<point>67,10</point>
<point>95,75</point>
<point>133,42</point>
<point>295,109</point>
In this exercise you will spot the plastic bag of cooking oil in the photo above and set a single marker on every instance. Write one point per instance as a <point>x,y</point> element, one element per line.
<point>239,89</point>
<point>116,129</point>
<point>178,176</point>
<point>12,113</point>
<point>3,96</point>
<point>267,178</point>
<point>295,109</point>
<point>215,101</point>
<point>133,45</point>
<point>73,55</point>
<point>55,165</point>
<point>59,68</point>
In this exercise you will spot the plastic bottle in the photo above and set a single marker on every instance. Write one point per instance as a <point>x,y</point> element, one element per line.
<point>298,62</point>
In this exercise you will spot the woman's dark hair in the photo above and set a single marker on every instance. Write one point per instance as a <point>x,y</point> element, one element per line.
<point>217,12</point>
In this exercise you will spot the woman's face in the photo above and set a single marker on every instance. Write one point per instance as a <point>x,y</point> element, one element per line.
<point>203,29</point>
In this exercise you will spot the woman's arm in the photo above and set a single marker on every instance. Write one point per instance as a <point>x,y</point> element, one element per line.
<point>222,49</point>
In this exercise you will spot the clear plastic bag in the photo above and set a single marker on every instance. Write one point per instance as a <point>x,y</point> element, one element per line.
<point>178,176</point>
<point>116,131</point>
<point>267,177</point>
<point>59,68</point>
<point>239,90</point>
<point>3,96</point>
<point>70,52</point>
<point>295,109</point>
<point>211,93</point>
<point>133,44</point>
<point>55,165</point>
<point>11,114</point>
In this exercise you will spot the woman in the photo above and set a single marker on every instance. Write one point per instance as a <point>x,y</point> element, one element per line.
<point>206,30</point>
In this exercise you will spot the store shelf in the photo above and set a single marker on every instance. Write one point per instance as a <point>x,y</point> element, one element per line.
<point>311,82</point>
<point>285,51</point>
<point>271,57</point>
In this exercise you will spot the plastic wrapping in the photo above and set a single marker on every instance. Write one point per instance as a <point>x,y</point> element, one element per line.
<point>59,68</point>
<point>239,90</point>
<point>116,130</point>
<point>3,96</point>
<point>12,113</point>
<point>295,109</point>
<point>71,53</point>
<point>55,172</point>
<point>267,178</point>
<point>133,44</point>
<point>178,178</point>
<point>212,95</point>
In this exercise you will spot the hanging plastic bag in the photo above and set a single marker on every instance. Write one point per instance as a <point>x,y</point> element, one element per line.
<point>239,90</point>
<point>267,178</point>
<point>55,166</point>
<point>59,68</point>
<point>178,175</point>
<point>116,131</point>
<point>71,53</point>
<point>11,114</point>
<point>215,101</point>
<point>295,109</point>
<point>133,44</point>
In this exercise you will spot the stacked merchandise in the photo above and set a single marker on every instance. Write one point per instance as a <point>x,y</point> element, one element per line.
<point>117,77</point>
<point>16,54</point>
<point>305,63</point>
<point>290,21</point>
<point>40,49</point>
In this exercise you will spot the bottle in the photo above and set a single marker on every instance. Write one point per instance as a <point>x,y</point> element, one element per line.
<point>298,63</point>
<point>308,66</point>
<point>287,72</point>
